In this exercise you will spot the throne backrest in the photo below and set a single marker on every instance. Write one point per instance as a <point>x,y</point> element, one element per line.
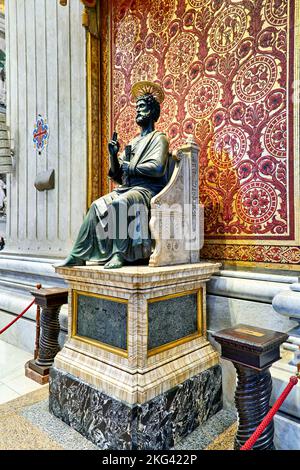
<point>176,222</point>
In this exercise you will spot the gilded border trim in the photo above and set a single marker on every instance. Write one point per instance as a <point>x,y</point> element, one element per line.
<point>296,95</point>
<point>261,265</point>
<point>93,118</point>
<point>185,339</point>
<point>94,342</point>
<point>98,103</point>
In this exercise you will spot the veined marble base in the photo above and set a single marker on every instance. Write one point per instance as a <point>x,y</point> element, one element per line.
<point>137,332</point>
<point>157,424</point>
<point>137,370</point>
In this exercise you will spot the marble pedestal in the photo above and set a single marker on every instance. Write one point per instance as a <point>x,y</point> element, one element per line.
<point>137,371</point>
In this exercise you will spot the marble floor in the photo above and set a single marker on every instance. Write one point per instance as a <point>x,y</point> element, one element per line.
<point>13,382</point>
<point>27,417</point>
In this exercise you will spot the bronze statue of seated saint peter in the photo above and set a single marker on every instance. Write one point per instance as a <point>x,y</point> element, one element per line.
<point>116,229</point>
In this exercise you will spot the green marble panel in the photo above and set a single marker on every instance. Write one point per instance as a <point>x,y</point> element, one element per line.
<point>103,320</point>
<point>171,319</point>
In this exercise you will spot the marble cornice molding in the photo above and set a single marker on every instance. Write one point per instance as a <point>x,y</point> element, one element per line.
<point>287,302</point>
<point>249,286</point>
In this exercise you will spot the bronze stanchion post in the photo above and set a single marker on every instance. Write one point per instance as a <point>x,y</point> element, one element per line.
<point>50,302</point>
<point>252,351</point>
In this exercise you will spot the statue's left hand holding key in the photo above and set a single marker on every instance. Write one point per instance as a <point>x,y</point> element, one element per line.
<point>113,148</point>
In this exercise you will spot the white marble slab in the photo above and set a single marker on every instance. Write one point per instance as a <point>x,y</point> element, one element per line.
<point>46,65</point>
<point>13,382</point>
<point>7,394</point>
<point>21,384</point>
<point>287,302</point>
<point>225,312</point>
<point>21,334</point>
<point>246,288</point>
<point>12,359</point>
<point>287,433</point>
<point>281,373</point>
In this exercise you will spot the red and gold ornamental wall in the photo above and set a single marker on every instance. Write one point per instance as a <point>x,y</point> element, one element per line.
<point>229,72</point>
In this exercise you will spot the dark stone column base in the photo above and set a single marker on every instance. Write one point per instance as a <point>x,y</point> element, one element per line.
<point>157,424</point>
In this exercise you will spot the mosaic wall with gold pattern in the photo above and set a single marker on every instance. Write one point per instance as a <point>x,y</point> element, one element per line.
<point>227,68</point>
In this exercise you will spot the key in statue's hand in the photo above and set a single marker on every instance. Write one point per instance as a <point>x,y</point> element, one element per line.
<point>113,147</point>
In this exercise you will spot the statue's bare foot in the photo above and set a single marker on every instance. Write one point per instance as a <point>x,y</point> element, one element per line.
<point>70,261</point>
<point>115,262</point>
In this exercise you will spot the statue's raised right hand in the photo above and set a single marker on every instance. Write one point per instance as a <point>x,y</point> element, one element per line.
<point>113,147</point>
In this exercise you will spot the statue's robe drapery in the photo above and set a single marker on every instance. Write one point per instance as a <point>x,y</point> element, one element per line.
<point>118,223</point>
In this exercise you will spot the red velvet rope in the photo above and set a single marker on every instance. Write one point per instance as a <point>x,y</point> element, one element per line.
<point>17,318</point>
<point>268,418</point>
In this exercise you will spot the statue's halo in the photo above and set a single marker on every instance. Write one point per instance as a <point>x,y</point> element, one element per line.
<point>144,87</point>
